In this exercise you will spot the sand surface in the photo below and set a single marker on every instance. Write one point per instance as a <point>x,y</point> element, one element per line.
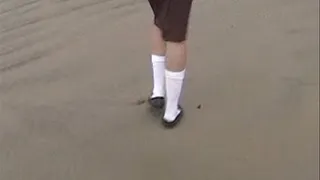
<point>72,72</point>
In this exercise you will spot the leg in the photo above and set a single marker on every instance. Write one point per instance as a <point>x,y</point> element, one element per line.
<point>177,56</point>
<point>158,48</point>
<point>175,34</point>
<point>175,72</point>
<point>158,62</point>
<point>158,44</point>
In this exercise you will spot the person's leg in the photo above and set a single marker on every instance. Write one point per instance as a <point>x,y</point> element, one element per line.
<point>175,34</point>
<point>175,72</point>
<point>158,51</point>
<point>158,45</point>
<point>177,56</point>
<point>158,62</point>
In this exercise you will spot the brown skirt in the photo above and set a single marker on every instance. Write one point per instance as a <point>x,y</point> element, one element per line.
<point>172,17</point>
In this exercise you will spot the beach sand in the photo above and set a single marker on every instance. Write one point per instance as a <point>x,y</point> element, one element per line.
<point>75,74</point>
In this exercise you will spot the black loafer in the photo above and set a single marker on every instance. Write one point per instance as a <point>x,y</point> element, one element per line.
<point>174,123</point>
<point>157,102</point>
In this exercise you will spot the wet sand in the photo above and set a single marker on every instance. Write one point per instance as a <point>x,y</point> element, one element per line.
<point>73,73</point>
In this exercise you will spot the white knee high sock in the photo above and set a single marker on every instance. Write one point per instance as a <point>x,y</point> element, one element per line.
<point>158,66</point>
<point>174,82</point>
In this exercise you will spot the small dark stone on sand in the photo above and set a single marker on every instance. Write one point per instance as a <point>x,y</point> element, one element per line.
<point>199,106</point>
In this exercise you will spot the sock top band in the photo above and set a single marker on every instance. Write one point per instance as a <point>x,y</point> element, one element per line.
<point>156,58</point>
<point>175,75</point>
